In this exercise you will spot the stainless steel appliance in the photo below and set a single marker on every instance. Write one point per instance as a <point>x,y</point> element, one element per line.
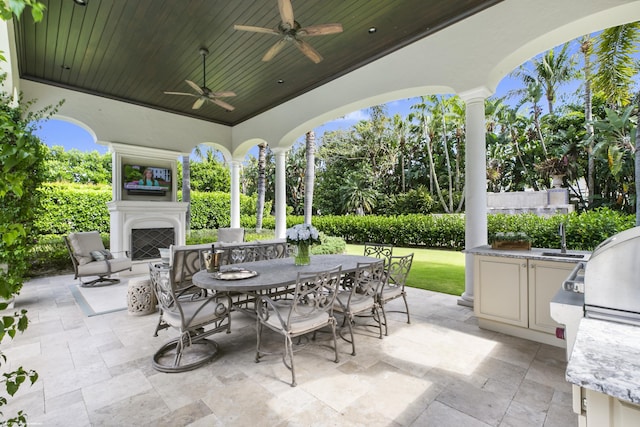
<point>610,279</point>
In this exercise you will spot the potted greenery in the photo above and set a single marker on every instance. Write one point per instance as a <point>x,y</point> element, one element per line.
<point>554,167</point>
<point>511,240</point>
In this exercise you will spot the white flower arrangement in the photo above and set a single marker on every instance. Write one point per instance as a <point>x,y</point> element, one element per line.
<point>303,233</point>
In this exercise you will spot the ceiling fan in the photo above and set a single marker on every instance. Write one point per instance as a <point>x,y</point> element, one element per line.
<point>291,31</point>
<point>204,93</point>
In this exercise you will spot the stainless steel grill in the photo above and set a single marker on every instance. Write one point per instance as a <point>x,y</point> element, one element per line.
<point>610,279</point>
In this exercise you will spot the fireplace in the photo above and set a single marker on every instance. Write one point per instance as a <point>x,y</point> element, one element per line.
<point>156,225</point>
<point>146,241</point>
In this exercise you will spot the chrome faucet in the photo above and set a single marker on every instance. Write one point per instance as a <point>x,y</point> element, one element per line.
<point>563,238</point>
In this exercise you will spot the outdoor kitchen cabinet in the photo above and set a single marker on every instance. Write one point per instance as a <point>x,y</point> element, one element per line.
<point>601,410</point>
<point>513,295</point>
<point>545,279</point>
<point>500,290</point>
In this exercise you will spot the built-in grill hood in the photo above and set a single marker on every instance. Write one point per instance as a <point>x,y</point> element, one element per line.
<point>610,279</point>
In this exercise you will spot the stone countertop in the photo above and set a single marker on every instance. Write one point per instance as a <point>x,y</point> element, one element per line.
<point>605,359</point>
<point>533,253</point>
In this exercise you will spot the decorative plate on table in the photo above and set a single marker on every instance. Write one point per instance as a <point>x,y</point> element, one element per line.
<point>234,274</point>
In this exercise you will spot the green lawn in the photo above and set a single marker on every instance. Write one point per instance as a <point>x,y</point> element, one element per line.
<point>435,270</point>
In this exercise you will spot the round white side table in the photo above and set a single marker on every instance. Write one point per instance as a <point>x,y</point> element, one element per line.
<point>141,299</point>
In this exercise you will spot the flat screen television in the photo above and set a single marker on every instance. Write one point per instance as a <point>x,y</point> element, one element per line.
<point>146,180</point>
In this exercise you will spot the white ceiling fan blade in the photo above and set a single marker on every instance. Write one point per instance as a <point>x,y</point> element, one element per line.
<point>179,93</point>
<point>309,51</point>
<point>195,86</point>
<point>286,12</point>
<point>256,29</point>
<point>320,30</point>
<point>224,94</point>
<point>198,103</point>
<point>223,104</point>
<point>277,47</point>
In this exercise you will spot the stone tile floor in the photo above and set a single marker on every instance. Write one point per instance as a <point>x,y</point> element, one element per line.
<point>440,370</point>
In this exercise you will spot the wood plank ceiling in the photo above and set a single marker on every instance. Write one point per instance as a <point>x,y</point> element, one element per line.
<point>133,51</point>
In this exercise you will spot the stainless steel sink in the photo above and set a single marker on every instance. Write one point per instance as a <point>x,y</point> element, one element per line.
<point>561,255</point>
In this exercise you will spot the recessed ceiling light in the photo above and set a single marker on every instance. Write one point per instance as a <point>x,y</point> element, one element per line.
<point>280,81</point>
<point>372,30</point>
<point>81,2</point>
<point>65,67</point>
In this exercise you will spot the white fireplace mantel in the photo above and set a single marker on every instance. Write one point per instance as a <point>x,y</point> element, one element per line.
<point>133,214</point>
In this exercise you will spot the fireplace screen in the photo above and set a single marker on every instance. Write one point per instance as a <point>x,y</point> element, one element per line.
<point>146,241</point>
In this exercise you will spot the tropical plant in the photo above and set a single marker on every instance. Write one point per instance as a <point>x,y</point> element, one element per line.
<point>210,173</point>
<point>617,66</point>
<point>548,72</point>
<point>21,164</point>
<point>77,166</point>
<point>358,195</point>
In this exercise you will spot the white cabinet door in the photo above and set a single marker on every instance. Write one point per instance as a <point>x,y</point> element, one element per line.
<point>501,289</point>
<point>607,411</point>
<point>545,279</point>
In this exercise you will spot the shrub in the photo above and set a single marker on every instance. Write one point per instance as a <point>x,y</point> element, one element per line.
<point>81,207</point>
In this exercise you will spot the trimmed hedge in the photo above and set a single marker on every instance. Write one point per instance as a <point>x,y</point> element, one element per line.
<point>74,207</point>
<point>434,231</point>
<point>584,231</point>
<point>80,207</point>
<point>83,207</point>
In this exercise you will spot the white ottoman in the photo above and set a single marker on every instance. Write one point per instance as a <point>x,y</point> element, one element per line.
<point>141,299</point>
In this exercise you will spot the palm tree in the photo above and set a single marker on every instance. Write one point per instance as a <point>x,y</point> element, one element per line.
<point>262,148</point>
<point>357,194</point>
<point>617,67</point>
<point>309,176</point>
<point>550,71</point>
<point>614,78</point>
<point>586,48</point>
<point>400,128</point>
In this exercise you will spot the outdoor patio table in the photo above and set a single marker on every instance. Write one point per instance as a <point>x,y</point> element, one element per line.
<point>276,273</point>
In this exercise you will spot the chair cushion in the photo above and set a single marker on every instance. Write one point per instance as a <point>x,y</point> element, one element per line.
<point>359,303</point>
<point>101,255</point>
<point>298,324</point>
<point>83,243</point>
<point>391,292</point>
<point>98,268</point>
<point>210,312</point>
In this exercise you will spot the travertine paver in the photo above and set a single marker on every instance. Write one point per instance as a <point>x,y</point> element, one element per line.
<point>440,370</point>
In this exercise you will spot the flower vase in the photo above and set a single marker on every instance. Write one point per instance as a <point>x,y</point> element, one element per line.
<point>301,254</point>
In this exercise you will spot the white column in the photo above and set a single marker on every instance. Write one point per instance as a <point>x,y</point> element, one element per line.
<point>11,83</point>
<point>281,193</point>
<point>475,233</point>
<point>234,165</point>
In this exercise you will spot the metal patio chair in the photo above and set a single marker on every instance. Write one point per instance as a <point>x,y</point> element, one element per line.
<point>194,318</point>
<point>358,297</point>
<point>393,287</point>
<point>309,309</point>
